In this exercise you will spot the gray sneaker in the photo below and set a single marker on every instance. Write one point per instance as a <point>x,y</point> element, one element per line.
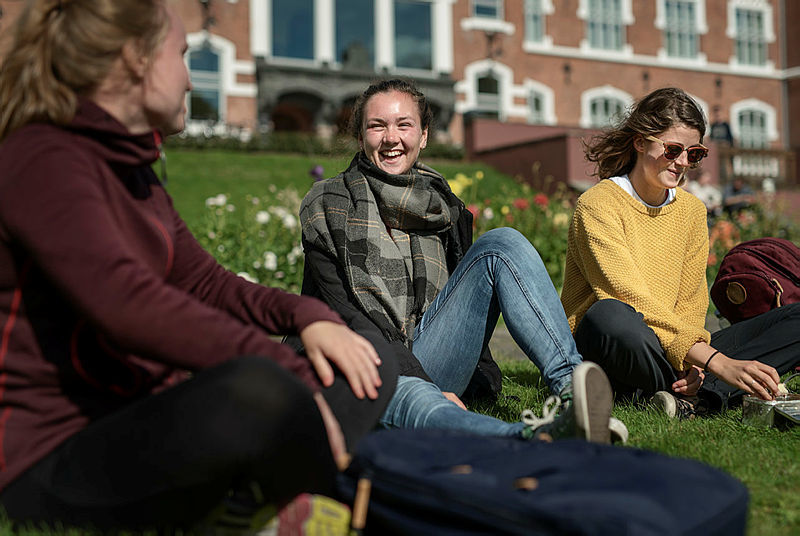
<point>585,416</point>
<point>618,430</point>
<point>683,408</point>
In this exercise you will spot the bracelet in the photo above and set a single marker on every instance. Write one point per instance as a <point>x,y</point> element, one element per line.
<point>705,367</point>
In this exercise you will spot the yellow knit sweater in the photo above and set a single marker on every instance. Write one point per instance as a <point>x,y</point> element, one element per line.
<point>653,259</point>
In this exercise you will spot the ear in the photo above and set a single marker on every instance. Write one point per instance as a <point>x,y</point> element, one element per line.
<point>638,143</point>
<point>134,60</point>
<point>424,142</point>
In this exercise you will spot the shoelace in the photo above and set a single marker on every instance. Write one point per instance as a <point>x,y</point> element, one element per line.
<point>549,410</point>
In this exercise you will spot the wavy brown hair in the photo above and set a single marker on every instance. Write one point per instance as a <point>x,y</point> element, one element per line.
<point>613,150</point>
<point>385,86</point>
<point>65,48</point>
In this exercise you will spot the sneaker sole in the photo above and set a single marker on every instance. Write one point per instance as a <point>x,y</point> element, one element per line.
<point>665,403</point>
<point>592,401</point>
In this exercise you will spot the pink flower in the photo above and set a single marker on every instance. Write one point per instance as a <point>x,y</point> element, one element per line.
<point>521,204</point>
<point>473,208</point>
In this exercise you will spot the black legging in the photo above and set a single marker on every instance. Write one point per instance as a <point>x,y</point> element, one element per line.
<point>168,459</point>
<point>614,335</point>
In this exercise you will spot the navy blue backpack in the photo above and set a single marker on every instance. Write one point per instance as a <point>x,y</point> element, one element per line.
<point>441,483</point>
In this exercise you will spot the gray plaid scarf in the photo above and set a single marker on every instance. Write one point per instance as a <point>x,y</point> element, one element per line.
<point>383,229</point>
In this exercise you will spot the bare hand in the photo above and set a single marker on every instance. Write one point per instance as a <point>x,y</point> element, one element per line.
<point>689,381</point>
<point>335,435</point>
<point>753,377</point>
<point>452,397</point>
<point>353,354</point>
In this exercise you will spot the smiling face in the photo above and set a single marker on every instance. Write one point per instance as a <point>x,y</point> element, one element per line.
<point>167,81</point>
<point>392,135</point>
<point>653,174</point>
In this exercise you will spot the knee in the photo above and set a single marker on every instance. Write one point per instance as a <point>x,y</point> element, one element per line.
<point>414,401</point>
<point>614,321</point>
<point>503,239</point>
<point>509,244</point>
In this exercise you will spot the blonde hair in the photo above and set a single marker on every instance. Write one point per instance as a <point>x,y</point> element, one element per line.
<point>65,48</point>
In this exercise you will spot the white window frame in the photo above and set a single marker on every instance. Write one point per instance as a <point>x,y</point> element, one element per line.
<point>701,28</point>
<point>496,4</point>
<point>627,20</point>
<point>758,106</point>
<point>488,24</point>
<point>769,32</point>
<point>229,69</point>
<point>546,42</point>
<point>604,92</point>
<point>204,80</point>
<point>435,67</point>
<point>469,87</point>
<point>548,101</point>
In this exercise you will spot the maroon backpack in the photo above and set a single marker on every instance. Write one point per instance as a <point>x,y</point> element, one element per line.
<point>755,277</point>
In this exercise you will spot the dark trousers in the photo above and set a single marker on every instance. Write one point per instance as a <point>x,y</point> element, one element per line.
<point>167,460</point>
<point>614,335</point>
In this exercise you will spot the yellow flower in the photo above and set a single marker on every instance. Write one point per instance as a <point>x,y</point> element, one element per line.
<point>456,187</point>
<point>504,210</point>
<point>479,174</point>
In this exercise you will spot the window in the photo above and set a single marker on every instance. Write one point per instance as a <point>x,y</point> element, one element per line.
<point>604,111</point>
<point>489,95</point>
<point>204,100</point>
<point>604,25</point>
<point>752,129</point>
<point>680,28</point>
<point>293,29</point>
<point>355,33</point>
<point>492,9</point>
<point>534,21</point>
<point>413,42</point>
<point>536,111</point>
<point>751,46</point>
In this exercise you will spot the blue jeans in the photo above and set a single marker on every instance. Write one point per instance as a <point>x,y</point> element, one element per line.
<point>501,273</point>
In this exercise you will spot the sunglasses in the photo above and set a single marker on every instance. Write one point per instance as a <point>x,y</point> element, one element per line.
<point>694,154</point>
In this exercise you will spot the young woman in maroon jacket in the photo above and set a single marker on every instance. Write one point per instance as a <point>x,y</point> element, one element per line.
<point>107,302</point>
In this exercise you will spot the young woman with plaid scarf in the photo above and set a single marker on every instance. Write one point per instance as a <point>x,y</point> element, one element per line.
<point>389,247</point>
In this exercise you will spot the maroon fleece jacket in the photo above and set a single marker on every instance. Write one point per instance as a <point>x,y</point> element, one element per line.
<point>105,296</point>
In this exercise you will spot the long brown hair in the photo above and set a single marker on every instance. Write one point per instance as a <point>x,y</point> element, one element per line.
<point>65,48</point>
<point>613,150</point>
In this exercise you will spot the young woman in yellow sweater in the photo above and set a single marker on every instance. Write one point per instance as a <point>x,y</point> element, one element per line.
<point>635,290</point>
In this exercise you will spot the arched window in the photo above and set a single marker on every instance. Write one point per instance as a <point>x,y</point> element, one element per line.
<point>603,105</point>
<point>204,99</point>
<point>536,103</point>
<point>488,94</point>
<point>752,129</point>
<point>604,111</point>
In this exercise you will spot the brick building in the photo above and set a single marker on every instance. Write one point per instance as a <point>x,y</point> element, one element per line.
<point>515,71</point>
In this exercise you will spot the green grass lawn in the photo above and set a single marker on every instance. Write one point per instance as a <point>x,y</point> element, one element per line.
<point>195,176</point>
<point>766,461</point>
